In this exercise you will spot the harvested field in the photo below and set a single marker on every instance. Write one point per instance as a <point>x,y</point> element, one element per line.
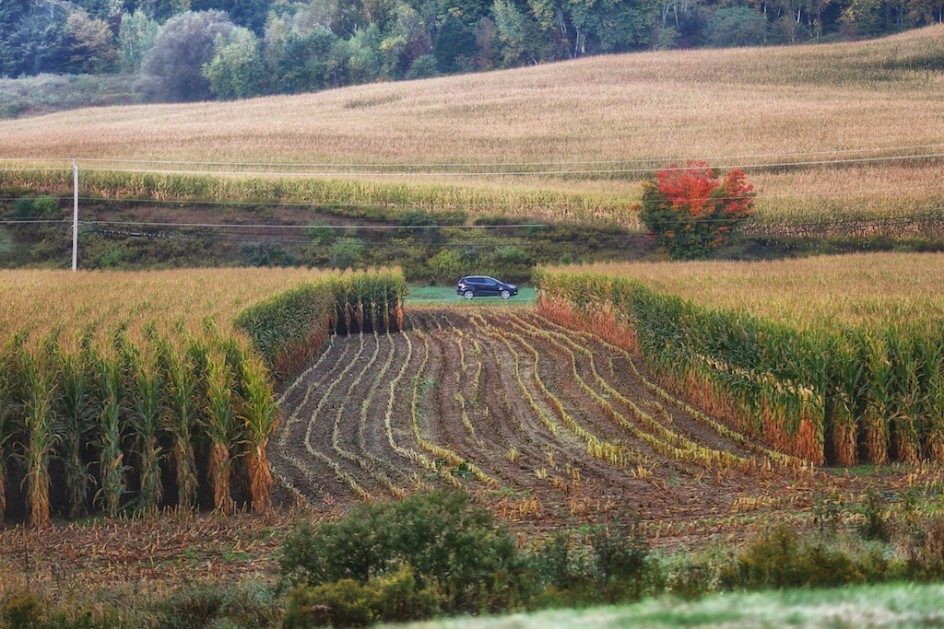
<point>548,426</point>
<point>457,398</point>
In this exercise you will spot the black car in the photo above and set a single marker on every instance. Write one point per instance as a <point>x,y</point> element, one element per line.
<point>484,286</point>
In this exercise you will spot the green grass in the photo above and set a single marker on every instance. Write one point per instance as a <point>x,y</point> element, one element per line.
<point>47,93</point>
<point>428,295</point>
<point>893,605</point>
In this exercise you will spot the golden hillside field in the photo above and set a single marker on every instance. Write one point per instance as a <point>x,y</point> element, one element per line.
<point>823,131</point>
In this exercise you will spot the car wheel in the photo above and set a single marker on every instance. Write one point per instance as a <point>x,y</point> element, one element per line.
<point>505,294</point>
<point>468,294</point>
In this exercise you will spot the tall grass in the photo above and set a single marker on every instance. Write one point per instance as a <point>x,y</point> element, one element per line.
<point>800,353</point>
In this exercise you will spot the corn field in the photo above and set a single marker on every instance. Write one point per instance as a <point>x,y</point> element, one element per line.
<point>834,372</point>
<point>138,391</point>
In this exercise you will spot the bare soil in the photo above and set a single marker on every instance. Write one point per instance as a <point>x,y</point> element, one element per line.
<point>471,372</point>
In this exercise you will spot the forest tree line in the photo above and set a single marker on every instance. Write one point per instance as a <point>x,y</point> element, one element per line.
<point>188,50</point>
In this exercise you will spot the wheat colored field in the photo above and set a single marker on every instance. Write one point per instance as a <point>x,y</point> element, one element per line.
<point>39,301</point>
<point>859,290</point>
<point>824,132</point>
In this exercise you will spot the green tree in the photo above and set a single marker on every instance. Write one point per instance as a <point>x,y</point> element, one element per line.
<point>236,70</point>
<point>454,45</point>
<point>249,14</point>
<point>93,43</point>
<point>173,68</point>
<point>518,34</point>
<point>611,25</point>
<point>362,55</point>
<point>305,61</point>
<point>39,40</point>
<point>136,37</point>
<point>11,13</point>
<point>407,39</point>
<point>736,26</point>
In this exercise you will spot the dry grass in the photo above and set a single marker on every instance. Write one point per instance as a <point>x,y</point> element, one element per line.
<point>627,114</point>
<point>859,290</point>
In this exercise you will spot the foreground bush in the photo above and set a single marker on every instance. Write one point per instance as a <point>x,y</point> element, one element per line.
<point>446,542</point>
<point>348,603</point>
<point>780,558</point>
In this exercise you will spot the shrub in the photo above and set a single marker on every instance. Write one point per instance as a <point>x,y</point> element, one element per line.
<point>620,556</point>
<point>249,604</point>
<point>875,520</point>
<point>779,558</point>
<point>691,211</point>
<point>450,544</point>
<point>926,555</point>
<point>348,603</point>
<point>553,563</point>
<point>29,611</point>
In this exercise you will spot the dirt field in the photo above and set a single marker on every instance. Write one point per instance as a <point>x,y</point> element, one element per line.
<point>550,427</point>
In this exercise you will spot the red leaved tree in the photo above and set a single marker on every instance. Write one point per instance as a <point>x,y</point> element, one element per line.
<point>691,210</point>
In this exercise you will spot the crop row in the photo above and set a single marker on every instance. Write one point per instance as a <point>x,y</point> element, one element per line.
<point>833,393</point>
<point>125,411</point>
<point>503,403</point>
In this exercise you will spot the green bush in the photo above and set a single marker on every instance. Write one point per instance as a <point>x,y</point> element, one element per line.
<point>246,605</point>
<point>348,603</point>
<point>874,525</point>
<point>29,611</point>
<point>926,554</point>
<point>451,545</point>
<point>621,564</point>
<point>779,558</point>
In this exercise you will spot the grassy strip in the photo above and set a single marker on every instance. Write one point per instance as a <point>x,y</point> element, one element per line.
<point>428,295</point>
<point>896,604</point>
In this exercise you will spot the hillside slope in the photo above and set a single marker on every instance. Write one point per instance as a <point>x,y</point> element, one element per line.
<point>850,127</point>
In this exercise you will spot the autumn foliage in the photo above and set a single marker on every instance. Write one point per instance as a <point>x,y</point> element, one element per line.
<point>691,210</point>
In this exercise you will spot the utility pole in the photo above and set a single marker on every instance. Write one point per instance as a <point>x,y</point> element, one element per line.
<point>75,216</point>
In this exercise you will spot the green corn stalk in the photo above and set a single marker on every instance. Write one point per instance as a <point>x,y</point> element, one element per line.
<point>259,415</point>
<point>361,286</point>
<point>220,427</point>
<point>926,346</point>
<point>77,415</point>
<point>145,419</point>
<point>905,401</point>
<point>11,356</point>
<point>880,391</point>
<point>181,387</point>
<point>39,380</point>
<point>932,350</point>
<point>111,460</point>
